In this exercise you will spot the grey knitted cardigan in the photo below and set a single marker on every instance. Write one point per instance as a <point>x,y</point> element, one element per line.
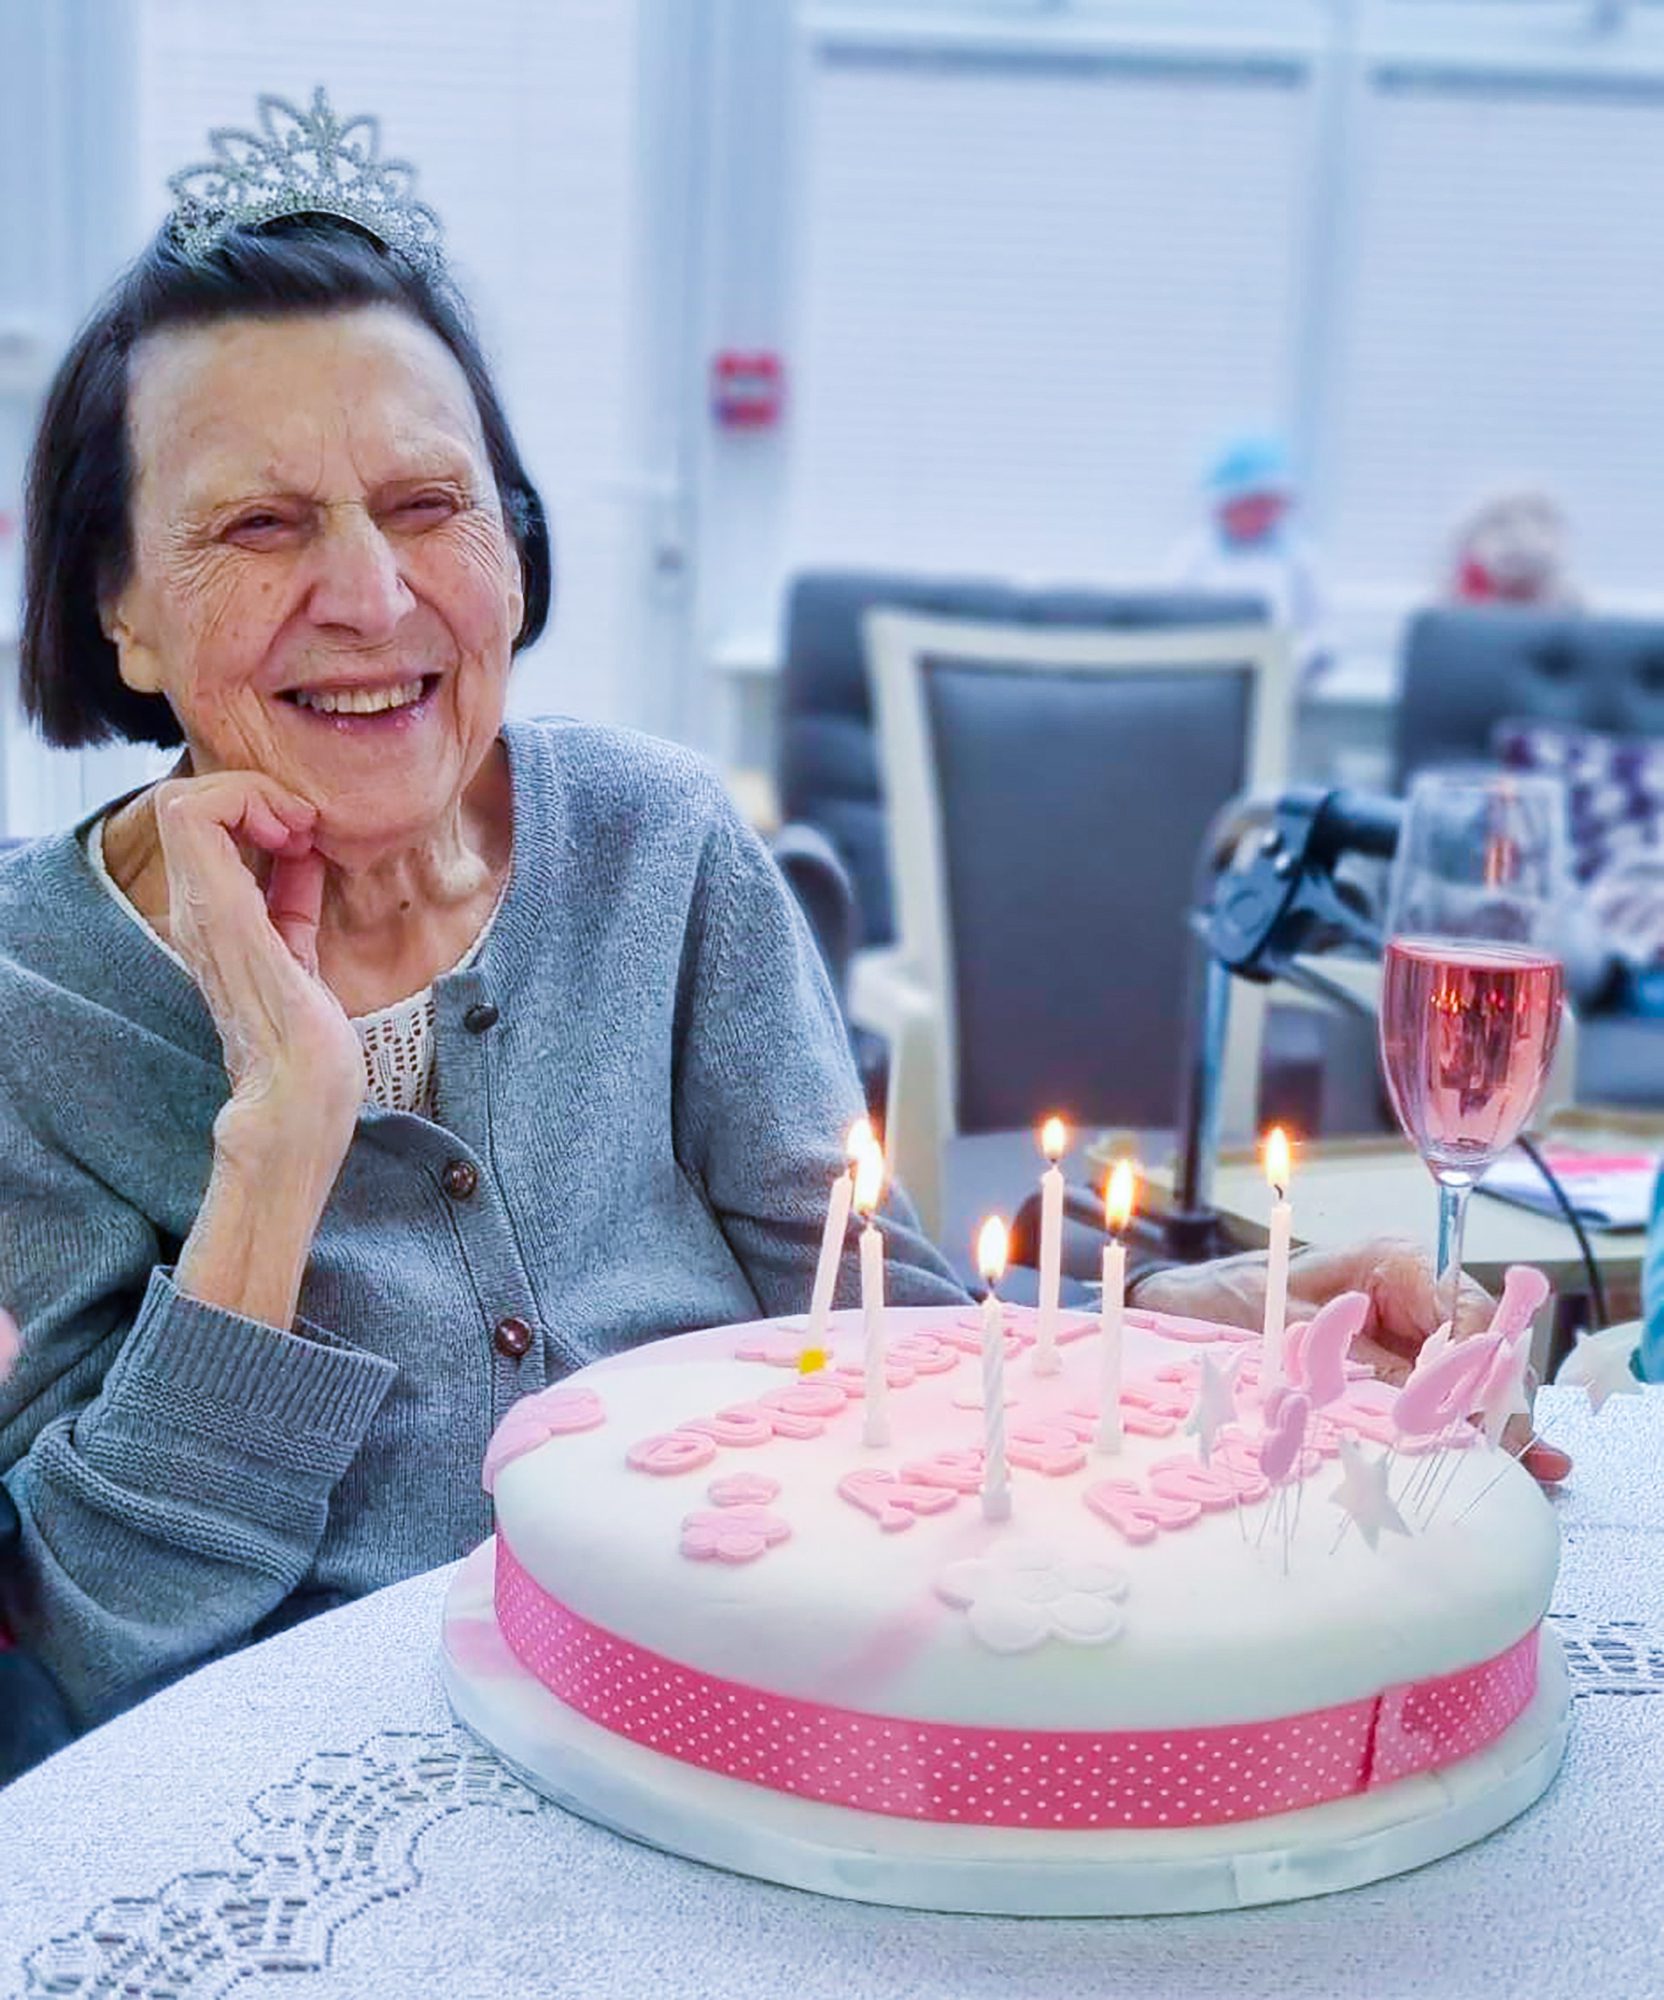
<point>646,1072</point>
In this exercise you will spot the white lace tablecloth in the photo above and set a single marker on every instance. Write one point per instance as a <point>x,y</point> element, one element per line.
<point>304,1821</point>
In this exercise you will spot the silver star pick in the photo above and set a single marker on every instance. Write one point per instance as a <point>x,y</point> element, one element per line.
<point>1215,1405</point>
<point>310,162</point>
<point>1599,1364</point>
<point>1364,1495</point>
<point>1505,1395</point>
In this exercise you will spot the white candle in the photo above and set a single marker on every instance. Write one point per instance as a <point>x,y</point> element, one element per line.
<point>869,1184</point>
<point>996,1490</point>
<point>1054,1138</point>
<point>831,1255</point>
<point>1278,1167</point>
<point>832,1237</point>
<point>875,1425</point>
<point>1118,1198</point>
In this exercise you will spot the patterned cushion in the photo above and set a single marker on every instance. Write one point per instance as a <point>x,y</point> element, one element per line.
<point>1615,813</point>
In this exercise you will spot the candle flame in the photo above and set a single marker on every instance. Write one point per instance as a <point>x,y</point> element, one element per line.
<point>869,1177</point>
<point>1278,1163</point>
<point>1054,1139</point>
<point>861,1136</point>
<point>992,1245</point>
<point>1118,1197</point>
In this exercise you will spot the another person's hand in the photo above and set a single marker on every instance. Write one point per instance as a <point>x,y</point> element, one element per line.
<point>291,1053</point>
<point>1395,1276</point>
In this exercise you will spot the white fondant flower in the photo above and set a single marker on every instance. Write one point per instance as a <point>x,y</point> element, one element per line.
<point>1020,1597</point>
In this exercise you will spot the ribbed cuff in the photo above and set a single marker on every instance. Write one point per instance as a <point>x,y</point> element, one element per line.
<point>315,1385</point>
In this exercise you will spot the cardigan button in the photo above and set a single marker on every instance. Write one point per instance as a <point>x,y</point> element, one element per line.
<point>459,1179</point>
<point>512,1339</point>
<point>479,1017</point>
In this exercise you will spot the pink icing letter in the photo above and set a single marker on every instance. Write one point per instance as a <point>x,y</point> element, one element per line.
<point>924,1354</point>
<point>670,1452</point>
<point>959,1471</point>
<point>1051,1448</point>
<point>744,1425</point>
<point>813,1398</point>
<point>1185,1479</point>
<point>893,1503</point>
<point>1136,1515</point>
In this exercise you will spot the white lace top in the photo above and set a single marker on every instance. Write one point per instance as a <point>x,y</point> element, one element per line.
<point>399,1067</point>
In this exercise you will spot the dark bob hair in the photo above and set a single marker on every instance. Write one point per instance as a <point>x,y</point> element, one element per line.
<point>77,537</point>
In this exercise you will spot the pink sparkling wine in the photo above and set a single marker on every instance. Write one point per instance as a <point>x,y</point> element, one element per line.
<point>1467,1036</point>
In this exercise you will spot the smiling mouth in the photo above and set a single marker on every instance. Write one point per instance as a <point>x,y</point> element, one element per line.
<point>362,701</point>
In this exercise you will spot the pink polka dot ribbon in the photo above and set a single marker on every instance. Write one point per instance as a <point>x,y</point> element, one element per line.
<point>1039,1778</point>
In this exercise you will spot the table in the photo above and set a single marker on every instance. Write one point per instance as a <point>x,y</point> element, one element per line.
<point>305,1819</point>
<point>1347,1190</point>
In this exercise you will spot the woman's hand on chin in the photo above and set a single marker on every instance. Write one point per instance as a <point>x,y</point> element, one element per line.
<point>293,1057</point>
<point>1395,1276</point>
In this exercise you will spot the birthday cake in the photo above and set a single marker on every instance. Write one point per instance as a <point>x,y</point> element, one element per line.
<point>1251,1641</point>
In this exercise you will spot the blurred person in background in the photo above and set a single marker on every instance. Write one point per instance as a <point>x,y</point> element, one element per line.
<point>1251,546</point>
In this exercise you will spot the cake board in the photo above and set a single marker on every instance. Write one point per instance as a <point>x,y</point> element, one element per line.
<point>833,1851</point>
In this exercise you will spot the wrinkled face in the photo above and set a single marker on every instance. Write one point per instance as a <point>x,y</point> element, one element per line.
<point>322,583</point>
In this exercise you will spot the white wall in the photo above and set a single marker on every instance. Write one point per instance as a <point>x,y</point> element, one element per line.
<point>1046,258</point>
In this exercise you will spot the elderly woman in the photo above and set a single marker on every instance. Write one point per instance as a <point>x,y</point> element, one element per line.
<point>388,1059</point>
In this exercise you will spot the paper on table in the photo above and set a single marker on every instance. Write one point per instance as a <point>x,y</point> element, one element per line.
<point>1608,1190</point>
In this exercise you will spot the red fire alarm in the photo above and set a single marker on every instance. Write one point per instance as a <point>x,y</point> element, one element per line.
<point>748,391</point>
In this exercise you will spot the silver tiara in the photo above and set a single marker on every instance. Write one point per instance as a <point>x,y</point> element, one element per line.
<point>303,163</point>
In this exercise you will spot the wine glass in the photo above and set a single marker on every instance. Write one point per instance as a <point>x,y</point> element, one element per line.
<point>1473,982</point>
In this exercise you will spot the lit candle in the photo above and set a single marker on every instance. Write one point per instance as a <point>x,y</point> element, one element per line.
<point>832,1237</point>
<point>991,1249</point>
<point>869,1185</point>
<point>1054,1141</point>
<point>1278,1167</point>
<point>1118,1197</point>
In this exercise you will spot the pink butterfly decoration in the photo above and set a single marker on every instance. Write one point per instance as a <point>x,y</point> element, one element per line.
<point>1524,1289</point>
<point>533,1421</point>
<point>1442,1391</point>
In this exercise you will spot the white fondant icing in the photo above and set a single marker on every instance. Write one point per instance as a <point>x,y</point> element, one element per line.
<point>884,1859</point>
<point>844,1612</point>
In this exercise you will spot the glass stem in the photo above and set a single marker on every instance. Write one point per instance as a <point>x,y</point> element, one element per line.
<point>1454,1190</point>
